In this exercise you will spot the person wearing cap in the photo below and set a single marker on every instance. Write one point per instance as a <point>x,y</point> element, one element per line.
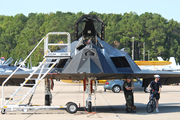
<point>156,85</point>
<point>127,87</point>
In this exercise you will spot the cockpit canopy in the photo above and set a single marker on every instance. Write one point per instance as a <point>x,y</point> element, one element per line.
<point>89,25</point>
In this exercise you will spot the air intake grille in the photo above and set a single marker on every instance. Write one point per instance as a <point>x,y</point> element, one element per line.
<point>120,62</point>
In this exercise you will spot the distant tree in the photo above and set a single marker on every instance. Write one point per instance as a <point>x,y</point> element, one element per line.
<point>19,34</point>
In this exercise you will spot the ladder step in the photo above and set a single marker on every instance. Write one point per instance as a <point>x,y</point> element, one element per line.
<point>26,84</point>
<point>16,100</point>
<point>8,98</point>
<point>29,84</point>
<point>23,89</point>
<point>44,68</point>
<point>39,73</point>
<point>19,95</point>
<point>50,62</point>
<point>31,78</point>
<point>12,99</point>
<point>10,105</point>
<point>31,74</point>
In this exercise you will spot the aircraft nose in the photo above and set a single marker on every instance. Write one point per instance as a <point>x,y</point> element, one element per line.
<point>89,61</point>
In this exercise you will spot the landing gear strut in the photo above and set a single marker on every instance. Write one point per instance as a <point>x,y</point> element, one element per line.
<point>89,89</point>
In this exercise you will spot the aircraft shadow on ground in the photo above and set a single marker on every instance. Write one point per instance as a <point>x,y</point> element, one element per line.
<point>141,108</point>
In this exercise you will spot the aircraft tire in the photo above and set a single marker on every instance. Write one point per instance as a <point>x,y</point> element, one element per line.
<point>89,106</point>
<point>47,101</point>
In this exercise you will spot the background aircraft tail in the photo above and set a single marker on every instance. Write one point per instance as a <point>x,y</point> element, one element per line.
<point>173,61</point>
<point>160,58</point>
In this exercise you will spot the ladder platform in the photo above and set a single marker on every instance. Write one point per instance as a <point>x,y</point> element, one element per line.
<point>55,57</point>
<point>54,54</point>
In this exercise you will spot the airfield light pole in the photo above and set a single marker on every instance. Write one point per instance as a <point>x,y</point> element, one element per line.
<point>148,54</point>
<point>133,48</point>
<point>144,51</point>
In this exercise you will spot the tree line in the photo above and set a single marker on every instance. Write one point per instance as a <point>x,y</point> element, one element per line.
<point>153,33</point>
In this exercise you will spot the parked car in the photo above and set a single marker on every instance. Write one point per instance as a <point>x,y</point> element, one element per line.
<point>117,85</point>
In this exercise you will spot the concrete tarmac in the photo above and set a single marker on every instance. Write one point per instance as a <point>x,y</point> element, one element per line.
<point>106,105</point>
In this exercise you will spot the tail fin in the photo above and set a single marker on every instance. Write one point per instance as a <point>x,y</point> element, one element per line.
<point>173,61</point>
<point>160,58</point>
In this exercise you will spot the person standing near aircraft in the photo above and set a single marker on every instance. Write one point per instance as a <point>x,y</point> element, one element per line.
<point>127,86</point>
<point>156,85</point>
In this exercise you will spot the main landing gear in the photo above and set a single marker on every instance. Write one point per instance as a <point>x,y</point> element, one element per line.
<point>88,87</point>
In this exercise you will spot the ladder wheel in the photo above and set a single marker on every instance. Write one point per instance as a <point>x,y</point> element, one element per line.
<point>67,105</point>
<point>71,107</point>
<point>3,111</point>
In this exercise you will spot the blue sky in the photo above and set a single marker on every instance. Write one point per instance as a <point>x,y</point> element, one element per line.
<point>168,9</point>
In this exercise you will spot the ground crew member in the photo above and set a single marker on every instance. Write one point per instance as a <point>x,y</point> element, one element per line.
<point>127,87</point>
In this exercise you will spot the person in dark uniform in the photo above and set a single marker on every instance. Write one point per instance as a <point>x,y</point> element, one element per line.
<point>127,87</point>
<point>155,85</point>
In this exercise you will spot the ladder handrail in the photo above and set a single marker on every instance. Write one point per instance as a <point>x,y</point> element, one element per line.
<point>17,70</point>
<point>45,52</point>
<point>22,62</point>
<point>39,80</point>
<point>25,81</point>
<point>46,43</point>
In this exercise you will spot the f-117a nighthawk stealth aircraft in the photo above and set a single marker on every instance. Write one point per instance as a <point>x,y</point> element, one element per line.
<point>89,58</point>
<point>92,57</point>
